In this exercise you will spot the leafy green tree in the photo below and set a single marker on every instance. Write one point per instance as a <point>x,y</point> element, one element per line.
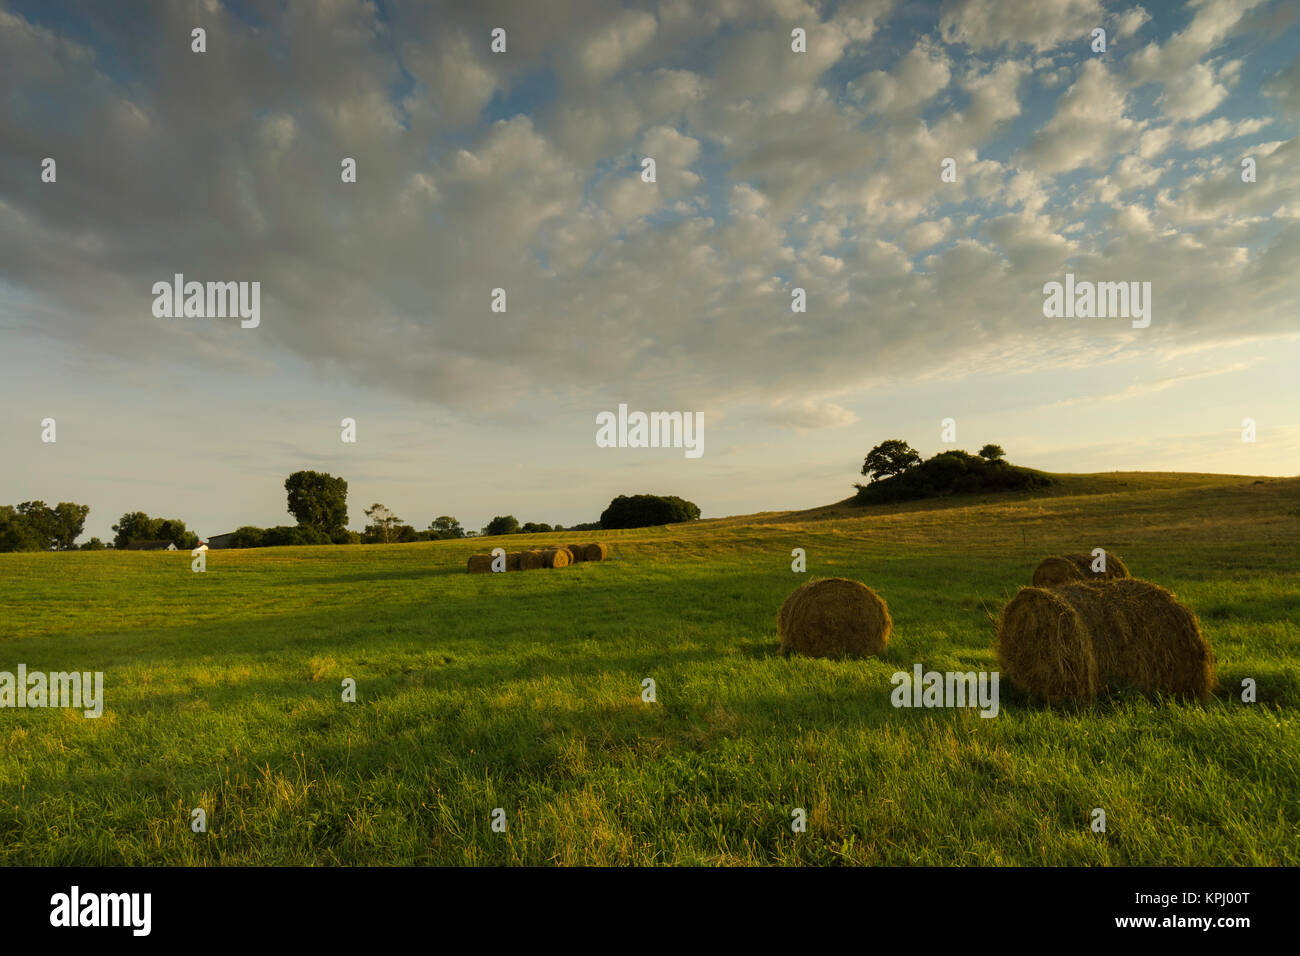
<point>533,527</point>
<point>17,533</point>
<point>43,521</point>
<point>249,536</point>
<point>138,526</point>
<point>502,524</point>
<point>992,452</point>
<point>70,521</point>
<point>173,530</point>
<point>644,511</point>
<point>94,544</point>
<point>892,457</point>
<point>445,526</point>
<point>318,500</point>
<point>133,526</point>
<point>384,525</point>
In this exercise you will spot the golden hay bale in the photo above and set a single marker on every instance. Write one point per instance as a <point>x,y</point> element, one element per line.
<point>1075,641</point>
<point>783,615</point>
<point>554,558</point>
<point>514,560</point>
<point>531,560</point>
<point>595,552</point>
<point>834,617</point>
<point>577,551</point>
<point>480,563</point>
<point>1074,568</point>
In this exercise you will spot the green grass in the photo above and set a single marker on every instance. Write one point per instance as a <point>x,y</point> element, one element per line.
<point>523,691</point>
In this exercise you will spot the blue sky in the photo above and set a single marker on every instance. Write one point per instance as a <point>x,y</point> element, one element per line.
<point>521,170</point>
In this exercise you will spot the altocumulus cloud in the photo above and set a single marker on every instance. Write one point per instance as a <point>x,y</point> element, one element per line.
<point>521,171</point>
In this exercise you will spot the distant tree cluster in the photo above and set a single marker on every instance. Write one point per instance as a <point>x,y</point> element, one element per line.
<point>35,526</point>
<point>138,526</point>
<point>509,524</point>
<point>898,474</point>
<point>644,511</point>
<point>319,502</point>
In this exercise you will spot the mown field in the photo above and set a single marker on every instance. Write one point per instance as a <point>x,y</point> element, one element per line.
<point>523,691</point>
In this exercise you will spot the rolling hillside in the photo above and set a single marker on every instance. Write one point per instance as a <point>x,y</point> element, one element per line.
<point>523,691</point>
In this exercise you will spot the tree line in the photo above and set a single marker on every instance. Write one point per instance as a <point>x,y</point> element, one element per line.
<point>318,501</point>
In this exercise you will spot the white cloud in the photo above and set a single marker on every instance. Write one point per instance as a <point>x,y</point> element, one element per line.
<point>1040,24</point>
<point>1195,94</point>
<point>1198,137</point>
<point>1090,125</point>
<point>807,414</point>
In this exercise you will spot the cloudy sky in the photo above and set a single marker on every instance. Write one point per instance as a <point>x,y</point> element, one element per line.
<point>521,170</point>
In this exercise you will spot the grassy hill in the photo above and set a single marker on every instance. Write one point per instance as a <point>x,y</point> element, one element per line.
<point>523,691</point>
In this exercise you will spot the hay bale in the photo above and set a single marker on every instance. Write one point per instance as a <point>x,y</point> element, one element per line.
<point>554,558</point>
<point>577,551</point>
<point>480,563</point>
<point>783,615</point>
<point>1075,641</point>
<point>595,552</point>
<point>531,560</point>
<point>1074,568</point>
<point>514,560</point>
<point>834,617</point>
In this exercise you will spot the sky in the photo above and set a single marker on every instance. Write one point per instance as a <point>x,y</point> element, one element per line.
<point>522,170</point>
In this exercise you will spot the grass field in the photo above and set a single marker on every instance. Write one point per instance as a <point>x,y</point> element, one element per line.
<point>523,691</point>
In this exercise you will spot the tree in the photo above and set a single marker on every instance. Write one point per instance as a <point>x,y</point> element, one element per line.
<point>173,530</point>
<point>384,525</point>
<point>70,520</point>
<point>138,526</point>
<point>892,457</point>
<point>318,500</point>
<point>502,524</point>
<point>644,511</point>
<point>132,526</point>
<point>992,452</point>
<point>248,536</point>
<point>16,532</point>
<point>43,521</point>
<point>533,527</point>
<point>445,526</point>
<point>94,544</point>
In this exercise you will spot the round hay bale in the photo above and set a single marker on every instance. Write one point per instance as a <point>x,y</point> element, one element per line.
<point>783,615</point>
<point>1075,641</point>
<point>1074,568</point>
<point>480,563</point>
<point>1166,651</point>
<point>531,560</point>
<point>1045,646</point>
<point>514,560</point>
<point>834,617</point>
<point>577,551</point>
<point>554,558</point>
<point>595,551</point>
